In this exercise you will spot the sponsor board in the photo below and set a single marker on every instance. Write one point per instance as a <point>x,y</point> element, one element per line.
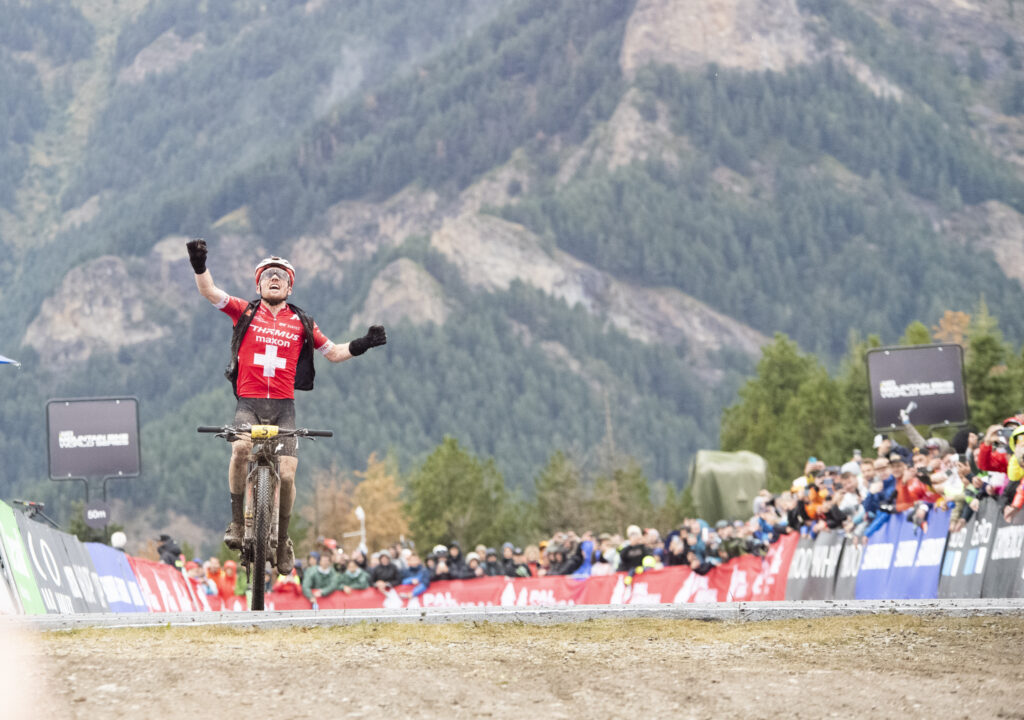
<point>64,574</point>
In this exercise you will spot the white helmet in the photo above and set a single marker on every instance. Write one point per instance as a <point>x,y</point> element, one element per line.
<point>275,261</point>
<point>118,540</point>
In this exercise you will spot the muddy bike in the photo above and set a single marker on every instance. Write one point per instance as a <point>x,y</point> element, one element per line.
<point>262,495</point>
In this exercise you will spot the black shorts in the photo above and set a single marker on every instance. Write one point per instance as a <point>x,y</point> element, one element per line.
<point>265,411</point>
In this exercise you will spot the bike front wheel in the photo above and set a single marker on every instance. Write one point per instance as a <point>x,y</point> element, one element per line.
<point>263,501</point>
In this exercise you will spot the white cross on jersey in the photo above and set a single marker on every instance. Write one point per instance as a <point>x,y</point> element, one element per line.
<point>269,360</point>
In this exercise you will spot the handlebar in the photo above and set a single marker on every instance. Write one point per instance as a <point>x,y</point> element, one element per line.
<point>231,430</point>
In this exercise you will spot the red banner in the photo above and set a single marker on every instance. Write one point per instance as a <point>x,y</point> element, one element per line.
<point>771,582</point>
<point>288,596</point>
<point>206,603</point>
<point>544,591</point>
<point>742,579</point>
<point>647,588</point>
<point>457,593</point>
<point>163,587</point>
<point>733,581</point>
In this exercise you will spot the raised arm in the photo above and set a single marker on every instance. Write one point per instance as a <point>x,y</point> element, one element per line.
<point>343,351</point>
<point>204,280</point>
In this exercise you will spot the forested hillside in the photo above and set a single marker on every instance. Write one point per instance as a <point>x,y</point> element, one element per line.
<point>679,204</point>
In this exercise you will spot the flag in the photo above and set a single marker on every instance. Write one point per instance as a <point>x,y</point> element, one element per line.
<point>8,361</point>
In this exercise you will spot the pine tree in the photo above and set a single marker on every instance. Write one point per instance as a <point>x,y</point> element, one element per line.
<point>620,498</point>
<point>559,500</point>
<point>917,333</point>
<point>852,427</point>
<point>785,412</point>
<point>454,496</point>
<point>985,370</point>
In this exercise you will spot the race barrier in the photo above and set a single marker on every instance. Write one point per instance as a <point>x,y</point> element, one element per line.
<point>117,578</point>
<point>43,570</point>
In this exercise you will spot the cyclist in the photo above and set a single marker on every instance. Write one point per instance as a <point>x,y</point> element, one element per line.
<point>271,357</point>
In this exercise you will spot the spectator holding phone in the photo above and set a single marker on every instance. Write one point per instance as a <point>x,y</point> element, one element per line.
<point>441,569</point>
<point>473,566</point>
<point>1015,471</point>
<point>994,450</point>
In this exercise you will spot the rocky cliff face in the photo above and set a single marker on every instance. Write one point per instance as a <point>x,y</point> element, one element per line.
<point>165,53</point>
<point>113,302</point>
<point>743,34</point>
<point>100,304</point>
<point>403,291</point>
<point>493,253</point>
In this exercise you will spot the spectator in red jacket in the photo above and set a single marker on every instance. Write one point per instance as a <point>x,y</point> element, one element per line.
<point>920,487</point>
<point>903,475</point>
<point>993,451</point>
<point>226,580</point>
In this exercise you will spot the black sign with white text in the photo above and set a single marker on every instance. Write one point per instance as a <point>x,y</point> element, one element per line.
<point>1005,559</point>
<point>97,514</point>
<point>849,566</point>
<point>93,437</point>
<point>925,380</point>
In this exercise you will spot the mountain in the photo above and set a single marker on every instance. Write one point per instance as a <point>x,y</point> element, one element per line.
<point>580,221</point>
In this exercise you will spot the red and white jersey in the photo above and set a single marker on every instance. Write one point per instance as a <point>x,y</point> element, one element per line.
<point>270,350</point>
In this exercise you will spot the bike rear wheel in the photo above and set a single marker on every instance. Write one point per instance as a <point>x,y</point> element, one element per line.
<point>262,522</point>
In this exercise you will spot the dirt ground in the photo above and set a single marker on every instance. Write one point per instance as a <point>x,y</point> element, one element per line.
<point>877,667</point>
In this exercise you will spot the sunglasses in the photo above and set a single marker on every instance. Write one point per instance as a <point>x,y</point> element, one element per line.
<point>271,273</point>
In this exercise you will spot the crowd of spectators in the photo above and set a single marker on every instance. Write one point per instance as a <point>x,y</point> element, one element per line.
<point>861,495</point>
<point>857,498</point>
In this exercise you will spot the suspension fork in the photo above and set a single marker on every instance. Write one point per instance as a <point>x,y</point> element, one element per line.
<point>275,510</point>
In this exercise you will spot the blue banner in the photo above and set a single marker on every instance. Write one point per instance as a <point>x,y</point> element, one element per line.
<point>117,579</point>
<point>876,562</point>
<point>918,558</point>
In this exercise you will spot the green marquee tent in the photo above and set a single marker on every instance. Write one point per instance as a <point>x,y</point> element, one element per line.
<point>725,483</point>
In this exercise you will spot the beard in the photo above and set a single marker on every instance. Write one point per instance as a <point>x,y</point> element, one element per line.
<point>274,302</point>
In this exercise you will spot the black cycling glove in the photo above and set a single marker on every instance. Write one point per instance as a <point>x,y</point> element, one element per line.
<point>374,337</point>
<point>197,255</point>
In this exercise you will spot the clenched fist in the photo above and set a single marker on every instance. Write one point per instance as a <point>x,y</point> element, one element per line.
<point>197,255</point>
<point>375,336</point>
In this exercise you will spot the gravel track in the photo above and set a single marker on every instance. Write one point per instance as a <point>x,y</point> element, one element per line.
<point>928,659</point>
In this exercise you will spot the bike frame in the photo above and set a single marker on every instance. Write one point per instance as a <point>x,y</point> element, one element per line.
<point>263,453</point>
<point>262,499</point>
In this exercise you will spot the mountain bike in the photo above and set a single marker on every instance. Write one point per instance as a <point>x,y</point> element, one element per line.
<point>262,495</point>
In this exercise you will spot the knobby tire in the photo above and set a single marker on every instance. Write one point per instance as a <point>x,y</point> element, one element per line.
<point>262,502</point>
